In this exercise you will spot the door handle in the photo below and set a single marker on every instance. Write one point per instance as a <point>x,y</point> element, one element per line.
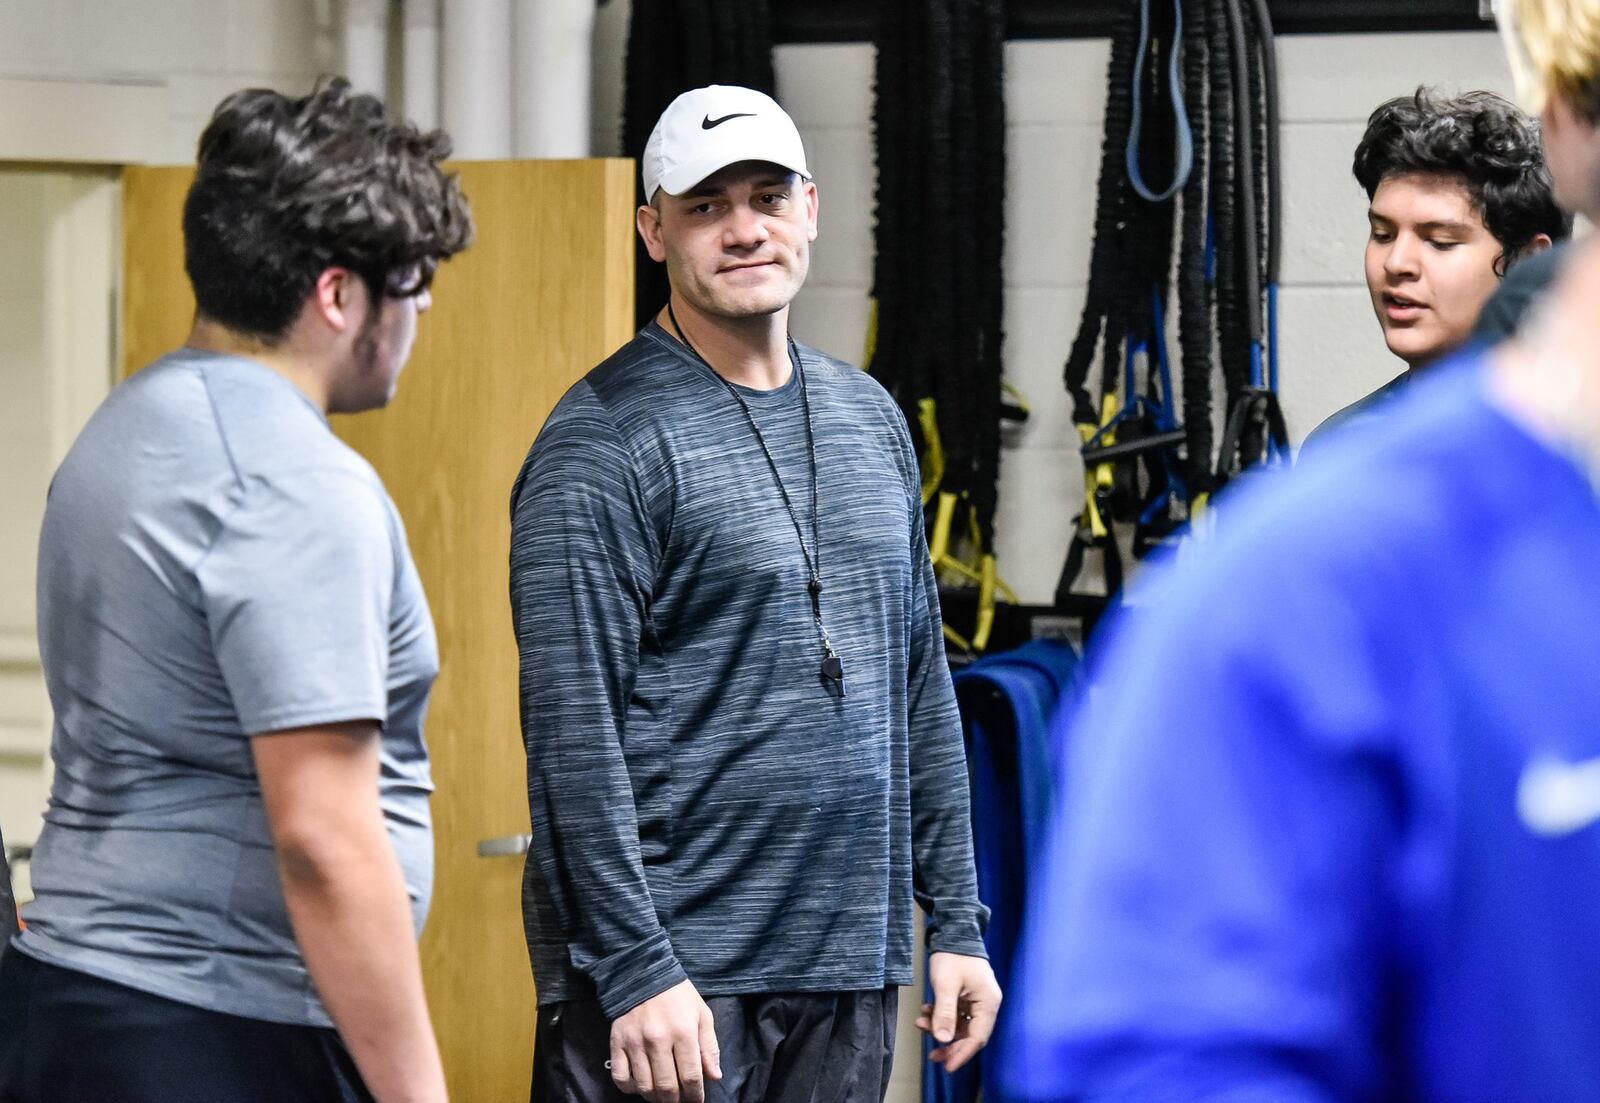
<point>506,846</point>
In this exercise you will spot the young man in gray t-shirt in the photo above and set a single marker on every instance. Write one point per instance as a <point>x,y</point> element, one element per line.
<point>237,854</point>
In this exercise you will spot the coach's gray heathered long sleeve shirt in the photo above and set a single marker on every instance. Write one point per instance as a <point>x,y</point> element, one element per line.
<point>702,807</point>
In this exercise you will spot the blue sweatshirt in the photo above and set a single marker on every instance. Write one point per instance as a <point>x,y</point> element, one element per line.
<point>702,806</point>
<point>1331,822</point>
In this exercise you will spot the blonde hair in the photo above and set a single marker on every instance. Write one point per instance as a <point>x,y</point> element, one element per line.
<point>1554,47</point>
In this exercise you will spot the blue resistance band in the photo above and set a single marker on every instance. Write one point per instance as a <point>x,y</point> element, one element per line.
<point>1272,336</point>
<point>1180,175</point>
<point>1211,248</point>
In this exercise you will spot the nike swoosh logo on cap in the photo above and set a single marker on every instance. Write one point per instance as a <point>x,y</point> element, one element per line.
<point>1556,798</point>
<point>708,122</point>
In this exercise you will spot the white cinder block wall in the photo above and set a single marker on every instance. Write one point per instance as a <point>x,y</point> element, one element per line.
<point>197,51</point>
<point>1330,353</point>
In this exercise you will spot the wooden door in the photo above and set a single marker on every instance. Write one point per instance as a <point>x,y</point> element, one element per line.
<point>545,294</point>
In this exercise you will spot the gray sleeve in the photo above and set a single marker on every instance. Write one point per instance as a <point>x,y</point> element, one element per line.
<point>296,590</point>
<point>582,555</point>
<point>944,878</point>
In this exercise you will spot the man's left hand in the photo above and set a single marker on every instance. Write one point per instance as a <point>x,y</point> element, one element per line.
<point>966,1000</point>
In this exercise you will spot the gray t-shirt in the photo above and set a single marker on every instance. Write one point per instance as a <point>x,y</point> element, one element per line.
<point>214,564</point>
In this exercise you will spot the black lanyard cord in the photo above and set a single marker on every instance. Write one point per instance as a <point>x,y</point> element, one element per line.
<point>832,671</point>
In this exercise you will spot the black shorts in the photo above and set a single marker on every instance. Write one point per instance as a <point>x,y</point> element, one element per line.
<point>807,1047</point>
<point>67,1037</point>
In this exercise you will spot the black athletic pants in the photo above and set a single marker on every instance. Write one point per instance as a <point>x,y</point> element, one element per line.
<point>808,1047</point>
<point>67,1037</point>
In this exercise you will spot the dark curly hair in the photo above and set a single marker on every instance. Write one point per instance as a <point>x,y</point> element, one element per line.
<point>1483,141</point>
<point>287,188</point>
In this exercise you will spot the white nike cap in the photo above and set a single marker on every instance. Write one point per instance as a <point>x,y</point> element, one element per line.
<point>710,128</point>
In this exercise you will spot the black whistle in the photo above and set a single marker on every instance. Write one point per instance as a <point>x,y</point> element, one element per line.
<point>832,674</point>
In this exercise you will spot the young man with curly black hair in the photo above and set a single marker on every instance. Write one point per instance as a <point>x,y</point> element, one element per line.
<point>1458,193</point>
<point>237,854</point>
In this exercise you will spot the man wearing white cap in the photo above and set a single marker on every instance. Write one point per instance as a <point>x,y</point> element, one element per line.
<point>744,759</point>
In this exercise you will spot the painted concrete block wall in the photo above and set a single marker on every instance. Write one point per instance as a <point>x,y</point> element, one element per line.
<point>1331,350</point>
<point>197,50</point>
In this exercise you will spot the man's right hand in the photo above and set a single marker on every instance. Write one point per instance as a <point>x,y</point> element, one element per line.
<point>665,1048</point>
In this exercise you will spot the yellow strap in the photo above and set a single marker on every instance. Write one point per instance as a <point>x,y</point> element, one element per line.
<point>980,634</point>
<point>1201,503</point>
<point>939,552</point>
<point>872,335</point>
<point>1020,402</point>
<point>1108,414</point>
<point>1004,590</point>
<point>939,546</point>
<point>1102,476</point>
<point>1091,507</point>
<point>932,449</point>
<point>975,576</point>
<point>944,528</point>
<point>954,565</point>
<point>986,575</point>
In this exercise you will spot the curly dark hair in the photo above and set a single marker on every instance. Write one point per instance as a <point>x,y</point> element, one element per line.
<point>1483,141</point>
<point>287,188</point>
